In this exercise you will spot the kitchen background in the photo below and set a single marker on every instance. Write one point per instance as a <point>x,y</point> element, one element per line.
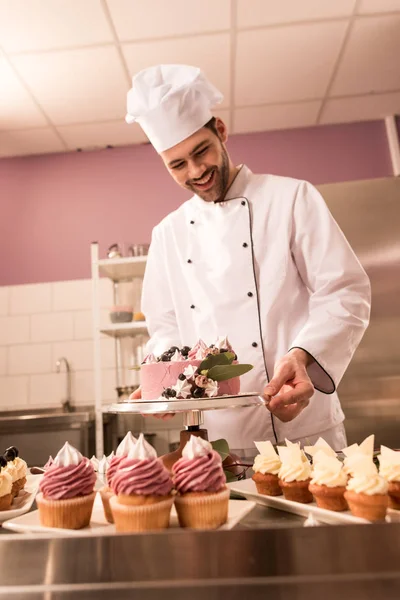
<point>311,90</point>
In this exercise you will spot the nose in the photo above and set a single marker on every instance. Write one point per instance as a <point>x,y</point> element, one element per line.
<point>196,169</point>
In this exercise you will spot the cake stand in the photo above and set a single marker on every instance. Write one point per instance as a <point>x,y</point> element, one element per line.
<point>192,409</point>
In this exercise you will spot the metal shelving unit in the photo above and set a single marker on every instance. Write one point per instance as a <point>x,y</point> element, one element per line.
<point>118,270</point>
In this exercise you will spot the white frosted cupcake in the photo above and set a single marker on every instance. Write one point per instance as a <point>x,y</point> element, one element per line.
<point>328,482</point>
<point>320,446</point>
<point>389,468</point>
<point>266,468</point>
<point>367,491</point>
<point>352,453</point>
<point>5,485</point>
<point>295,473</point>
<point>17,468</point>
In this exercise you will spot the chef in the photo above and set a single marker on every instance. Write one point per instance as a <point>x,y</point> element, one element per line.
<point>258,258</point>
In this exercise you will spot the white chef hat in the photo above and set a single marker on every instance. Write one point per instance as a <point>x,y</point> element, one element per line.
<point>170,103</point>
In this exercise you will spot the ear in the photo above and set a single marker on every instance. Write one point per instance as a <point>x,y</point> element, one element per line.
<point>222,130</point>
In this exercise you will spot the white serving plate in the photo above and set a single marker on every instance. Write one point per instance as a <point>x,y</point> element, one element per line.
<point>29,523</point>
<point>23,502</point>
<point>247,488</point>
<point>163,405</point>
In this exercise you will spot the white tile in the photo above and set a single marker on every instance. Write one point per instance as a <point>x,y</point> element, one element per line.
<point>30,299</point>
<point>52,327</point>
<point>83,388</point>
<point>47,24</point>
<point>35,358</point>
<point>108,385</point>
<point>3,360</point>
<point>370,63</point>
<point>83,323</point>
<point>303,59</point>
<point>13,392</point>
<point>269,12</point>
<point>106,293</point>
<point>92,136</point>
<point>79,353</point>
<point>72,295</point>
<point>378,6</point>
<point>278,116</point>
<point>360,108</point>
<point>47,390</point>
<point>31,141</point>
<point>4,296</point>
<point>215,62</point>
<point>14,330</point>
<point>91,79</point>
<point>154,18</point>
<point>17,107</point>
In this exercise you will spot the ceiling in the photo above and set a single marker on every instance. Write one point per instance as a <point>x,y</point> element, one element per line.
<point>66,65</point>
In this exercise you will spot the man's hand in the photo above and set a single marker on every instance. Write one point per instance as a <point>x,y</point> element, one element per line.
<point>137,394</point>
<point>290,389</point>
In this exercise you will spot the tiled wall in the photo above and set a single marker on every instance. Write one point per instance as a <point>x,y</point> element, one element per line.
<point>39,323</point>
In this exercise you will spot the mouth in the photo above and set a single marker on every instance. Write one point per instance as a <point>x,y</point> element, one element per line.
<point>205,183</point>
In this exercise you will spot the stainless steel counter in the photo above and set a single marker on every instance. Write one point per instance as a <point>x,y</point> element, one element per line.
<point>267,555</point>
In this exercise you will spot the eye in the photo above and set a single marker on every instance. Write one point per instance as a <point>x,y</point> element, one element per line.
<point>178,166</point>
<point>203,151</point>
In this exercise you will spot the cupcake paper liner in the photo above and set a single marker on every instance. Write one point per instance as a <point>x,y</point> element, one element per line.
<point>297,491</point>
<point>72,513</point>
<point>105,494</point>
<point>372,508</point>
<point>267,484</point>
<point>331,498</point>
<point>17,486</point>
<point>394,495</point>
<point>145,517</point>
<point>203,510</point>
<point>5,501</point>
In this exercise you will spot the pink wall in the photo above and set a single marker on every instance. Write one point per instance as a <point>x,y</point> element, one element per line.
<point>53,206</point>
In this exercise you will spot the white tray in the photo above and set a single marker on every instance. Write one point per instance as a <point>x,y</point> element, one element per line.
<point>247,488</point>
<point>164,405</point>
<point>29,523</point>
<point>23,502</point>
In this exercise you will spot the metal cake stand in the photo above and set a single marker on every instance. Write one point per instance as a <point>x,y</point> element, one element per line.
<point>192,408</point>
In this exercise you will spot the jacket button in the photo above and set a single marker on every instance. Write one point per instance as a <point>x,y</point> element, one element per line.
<point>245,245</point>
<point>243,203</point>
<point>189,261</point>
<point>192,306</point>
<point>254,344</point>
<point>192,222</point>
<point>250,294</point>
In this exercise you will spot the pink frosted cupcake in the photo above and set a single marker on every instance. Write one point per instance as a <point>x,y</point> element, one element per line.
<point>66,491</point>
<point>202,496</point>
<point>127,444</point>
<point>143,491</point>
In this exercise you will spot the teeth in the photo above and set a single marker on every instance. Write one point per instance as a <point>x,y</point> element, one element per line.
<point>203,181</point>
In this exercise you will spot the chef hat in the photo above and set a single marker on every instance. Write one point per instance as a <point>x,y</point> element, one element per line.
<point>170,103</point>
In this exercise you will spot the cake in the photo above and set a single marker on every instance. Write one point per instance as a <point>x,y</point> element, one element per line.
<point>143,491</point>
<point>389,468</point>
<point>295,473</point>
<point>17,468</point>
<point>66,491</point>
<point>328,482</point>
<point>202,496</point>
<point>367,491</point>
<point>266,468</point>
<point>199,372</point>
<point>5,485</point>
<point>110,468</point>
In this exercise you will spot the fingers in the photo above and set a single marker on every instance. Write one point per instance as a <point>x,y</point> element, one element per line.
<point>288,413</point>
<point>162,416</point>
<point>283,373</point>
<point>301,392</point>
<point>136,395</point>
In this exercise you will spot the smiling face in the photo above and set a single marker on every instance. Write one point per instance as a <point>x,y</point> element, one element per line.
<point>201,163</point>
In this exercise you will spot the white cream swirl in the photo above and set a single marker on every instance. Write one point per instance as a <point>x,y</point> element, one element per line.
<point>266,464</point>
<point>127,444</point>
<point>211,388</point>
<point>182,388</point>
<point>389,464</point>
<point>370,485</point>
<point>67,456</point>
<point>12,471</point>
<point>142,450</point>
<point>196,447</point>
<point>299,471</point>
<point>5,482</point>
<point>21,467</point>
<point>328,471</point>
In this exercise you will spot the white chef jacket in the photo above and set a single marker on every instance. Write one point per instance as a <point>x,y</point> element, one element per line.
<point>270,268</point>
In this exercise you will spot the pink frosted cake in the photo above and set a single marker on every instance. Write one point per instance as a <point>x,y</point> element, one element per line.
<point>192,372</point>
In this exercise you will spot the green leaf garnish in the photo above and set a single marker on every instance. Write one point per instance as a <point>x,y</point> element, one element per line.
<point>226,358</point>
<point>224,372</point>
<point>221,446</point>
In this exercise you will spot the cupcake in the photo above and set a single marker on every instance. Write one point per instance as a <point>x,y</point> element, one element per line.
<point>143,491</point>
<point>266,468</point>
<point>294,474</point>
<point>17,468</point>
<point>328,482</point>
<point>367,491</point>
<point>110,468</point>
<point>353,452</point>
<point>320,446</point>
<point>202,496</point>
<point>5,485</point>
<point>389,468</point>
<point>66,491</point>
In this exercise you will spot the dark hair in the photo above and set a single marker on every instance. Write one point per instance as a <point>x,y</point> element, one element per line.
<point>211,124</point>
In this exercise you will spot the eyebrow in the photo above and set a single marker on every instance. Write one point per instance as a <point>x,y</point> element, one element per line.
<point>195,149</point>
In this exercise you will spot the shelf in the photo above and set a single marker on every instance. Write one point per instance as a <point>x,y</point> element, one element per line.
<point>125,329</point>
<point>119,269</point>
